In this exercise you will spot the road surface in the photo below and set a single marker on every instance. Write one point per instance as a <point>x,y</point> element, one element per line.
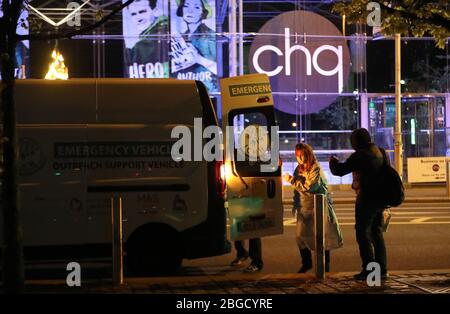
<point>418,238</point>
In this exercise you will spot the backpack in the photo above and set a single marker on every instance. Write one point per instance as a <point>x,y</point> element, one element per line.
<point>392,192</point>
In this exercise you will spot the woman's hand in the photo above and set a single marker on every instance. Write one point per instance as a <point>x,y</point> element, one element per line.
<point>287,177</point>
<point>302,179</point>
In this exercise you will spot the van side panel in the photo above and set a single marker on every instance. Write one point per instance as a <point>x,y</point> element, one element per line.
<point>78,137</point>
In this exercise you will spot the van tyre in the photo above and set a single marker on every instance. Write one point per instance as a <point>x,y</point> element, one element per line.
<point>154,250</point>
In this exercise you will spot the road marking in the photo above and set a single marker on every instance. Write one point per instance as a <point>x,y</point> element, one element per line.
<point>420,220</point>
<point>415,217</point>
<point>416,213</point>
<point>400,216</point>
<point>391,223</point>
<point>405,223</point>
<point>417,221</point>
<point>395,220</point>
<point>402,209</point>
<point>292,223</point>
<point>443,290</point>
<point>396,209</point>
<point>396,216</point>
<point>424,285</point>
<point>436,204</point>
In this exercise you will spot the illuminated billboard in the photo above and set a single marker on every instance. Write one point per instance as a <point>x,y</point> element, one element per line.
<point>145,31</point>
<point>22,55</point>
<point>193,41</point>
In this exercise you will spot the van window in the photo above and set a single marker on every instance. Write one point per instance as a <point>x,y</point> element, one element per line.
<point>251,128</point>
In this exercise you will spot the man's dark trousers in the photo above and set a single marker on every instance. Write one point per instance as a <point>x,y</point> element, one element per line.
<point>254,251</point>
<point>369,235</point>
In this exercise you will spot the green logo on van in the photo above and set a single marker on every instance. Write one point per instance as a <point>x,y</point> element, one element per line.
<point>31,158</point>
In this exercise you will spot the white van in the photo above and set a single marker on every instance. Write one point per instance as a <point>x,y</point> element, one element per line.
<point>85,140</point>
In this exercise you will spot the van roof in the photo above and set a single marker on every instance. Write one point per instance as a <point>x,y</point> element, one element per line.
<point>108,101</point>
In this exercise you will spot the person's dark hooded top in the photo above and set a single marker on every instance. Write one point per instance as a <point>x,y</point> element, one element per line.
<point>367,160</point>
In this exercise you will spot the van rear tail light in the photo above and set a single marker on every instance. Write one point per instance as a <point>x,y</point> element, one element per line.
<point>222,172</point>
<point>220,178</point>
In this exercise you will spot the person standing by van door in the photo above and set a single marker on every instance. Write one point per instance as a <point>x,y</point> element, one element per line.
<point>254,252</point>
<point>365,163</point>
<point>308,179</point>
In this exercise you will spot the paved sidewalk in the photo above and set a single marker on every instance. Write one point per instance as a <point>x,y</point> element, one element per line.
<point>407,282</point>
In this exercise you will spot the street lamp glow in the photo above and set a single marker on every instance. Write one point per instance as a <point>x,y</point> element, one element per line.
<point>294,124</point>
<point>57,70</point>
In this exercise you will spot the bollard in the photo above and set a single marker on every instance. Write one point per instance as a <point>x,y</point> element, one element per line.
<point>117,253</point>
<point>319,231</point>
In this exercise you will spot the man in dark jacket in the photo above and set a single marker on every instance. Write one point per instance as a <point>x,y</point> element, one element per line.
<point>366,162</point>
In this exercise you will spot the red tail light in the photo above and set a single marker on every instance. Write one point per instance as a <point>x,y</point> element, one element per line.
<point>220,178</point>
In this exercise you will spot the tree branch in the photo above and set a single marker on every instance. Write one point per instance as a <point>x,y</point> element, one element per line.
<point>71,34</point>
<point>5,7</point>
<point>435,19</point>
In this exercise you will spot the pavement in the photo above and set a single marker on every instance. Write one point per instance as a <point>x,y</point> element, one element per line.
<point>399,282</point>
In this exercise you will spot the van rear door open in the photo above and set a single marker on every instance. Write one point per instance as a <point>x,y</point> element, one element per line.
<point>254,185</point>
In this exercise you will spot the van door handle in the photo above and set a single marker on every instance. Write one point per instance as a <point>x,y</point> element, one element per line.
<point>271,188</point>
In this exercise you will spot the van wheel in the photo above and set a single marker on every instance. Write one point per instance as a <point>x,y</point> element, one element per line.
<point>154,250</point>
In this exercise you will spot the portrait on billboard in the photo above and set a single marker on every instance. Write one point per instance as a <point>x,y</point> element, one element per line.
<point>146,37</point>
<point>22,55</point>
<point>193,41</point>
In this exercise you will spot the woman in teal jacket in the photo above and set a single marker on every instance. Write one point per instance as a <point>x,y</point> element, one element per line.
<point>308,179</point>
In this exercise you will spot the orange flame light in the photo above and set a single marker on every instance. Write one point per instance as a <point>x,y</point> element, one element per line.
<point>57,70</point>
